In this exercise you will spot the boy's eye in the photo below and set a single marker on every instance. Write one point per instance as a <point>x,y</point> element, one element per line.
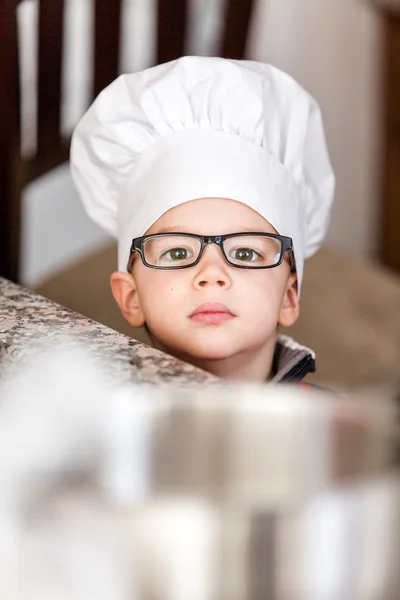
<point>177,254</point>
<point>244,255</point>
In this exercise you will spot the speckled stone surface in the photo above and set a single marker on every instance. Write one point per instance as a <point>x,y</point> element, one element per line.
<point>27,318</point>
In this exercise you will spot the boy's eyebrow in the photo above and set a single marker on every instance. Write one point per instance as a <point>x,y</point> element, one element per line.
<point>170,230</point>
<point>178,229</point>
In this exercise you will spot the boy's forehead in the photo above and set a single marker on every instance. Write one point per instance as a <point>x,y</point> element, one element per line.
<point>211,216</point>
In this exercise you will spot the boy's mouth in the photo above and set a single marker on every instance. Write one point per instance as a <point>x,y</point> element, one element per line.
<point>211,313</point>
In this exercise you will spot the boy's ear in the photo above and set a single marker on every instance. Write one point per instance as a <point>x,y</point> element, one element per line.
<point>290,309</point>
<point>125,293</point>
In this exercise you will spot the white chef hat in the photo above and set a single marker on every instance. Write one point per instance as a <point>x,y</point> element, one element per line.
<point>201,127</point>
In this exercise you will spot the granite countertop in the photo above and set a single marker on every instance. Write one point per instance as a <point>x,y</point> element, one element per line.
<point>26,318</point>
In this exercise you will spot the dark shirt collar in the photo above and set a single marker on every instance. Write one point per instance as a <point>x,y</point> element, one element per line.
<point>292,361</point>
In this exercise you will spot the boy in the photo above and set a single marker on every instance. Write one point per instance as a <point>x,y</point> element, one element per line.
<point>214,176</point>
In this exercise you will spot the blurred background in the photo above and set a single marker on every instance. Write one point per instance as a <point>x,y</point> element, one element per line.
<point>57,55</point>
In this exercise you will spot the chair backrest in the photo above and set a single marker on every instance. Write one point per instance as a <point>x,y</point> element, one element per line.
<point>172,28</point>
<point>52,147</point>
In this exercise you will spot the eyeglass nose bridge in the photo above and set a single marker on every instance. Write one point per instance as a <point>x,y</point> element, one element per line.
<point>211,239</point>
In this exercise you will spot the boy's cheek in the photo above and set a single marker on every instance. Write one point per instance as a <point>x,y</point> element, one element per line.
<point>260,291</point>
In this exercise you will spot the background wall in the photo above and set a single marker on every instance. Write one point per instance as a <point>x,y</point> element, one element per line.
<point>332,47</point>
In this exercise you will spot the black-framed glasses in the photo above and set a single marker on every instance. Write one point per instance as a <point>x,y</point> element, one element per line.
<point>254,250</point>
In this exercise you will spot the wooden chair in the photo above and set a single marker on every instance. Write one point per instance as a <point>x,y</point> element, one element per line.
<point>53,149</point>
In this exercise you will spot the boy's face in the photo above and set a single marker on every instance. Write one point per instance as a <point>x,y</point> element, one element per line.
<point>256,300</point>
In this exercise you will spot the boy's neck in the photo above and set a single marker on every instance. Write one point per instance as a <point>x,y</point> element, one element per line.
<point>252,366</point>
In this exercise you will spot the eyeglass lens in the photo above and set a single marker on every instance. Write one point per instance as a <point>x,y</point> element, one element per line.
<point>178,251</point>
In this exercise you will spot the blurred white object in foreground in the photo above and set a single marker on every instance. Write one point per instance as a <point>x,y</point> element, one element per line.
<point>135,493</point>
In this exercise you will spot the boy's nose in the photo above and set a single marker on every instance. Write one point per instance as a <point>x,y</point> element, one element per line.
<point>212,269</point>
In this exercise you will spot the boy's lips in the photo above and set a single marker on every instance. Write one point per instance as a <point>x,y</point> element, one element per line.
<point>211,313</point>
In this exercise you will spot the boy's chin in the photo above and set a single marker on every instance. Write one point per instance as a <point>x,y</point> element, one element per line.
<point>196,352</point>
<point>192,350</point>
<point>200,349</point>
